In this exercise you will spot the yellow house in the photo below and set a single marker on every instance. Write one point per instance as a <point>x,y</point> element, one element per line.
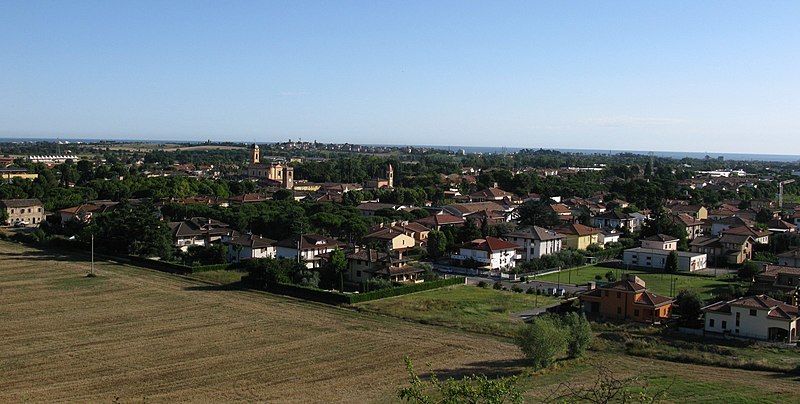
<point>391,238</point>
<point>578,236</point>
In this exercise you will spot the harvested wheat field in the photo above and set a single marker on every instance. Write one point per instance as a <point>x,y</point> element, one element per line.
<point>135,335</point>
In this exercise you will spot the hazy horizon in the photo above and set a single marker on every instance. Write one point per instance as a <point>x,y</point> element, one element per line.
<point>620,75</point>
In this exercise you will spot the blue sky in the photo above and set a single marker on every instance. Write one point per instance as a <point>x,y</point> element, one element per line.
<point>634,75</point>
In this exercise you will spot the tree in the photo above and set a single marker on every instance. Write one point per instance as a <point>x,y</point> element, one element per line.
<point>131,229</point>
<point>749,270</point>
<point>607,388</point>
<point>282,195</point>
<point>3,216</point>
<point>671,266</point>
<point>688,304</point>
<point>580,334</point>
<point>541,340</point>
<point>535,213</point>
<point>470,389</point>
<point>338,265</point>
<point>437,244</point>
<point>764,215</point>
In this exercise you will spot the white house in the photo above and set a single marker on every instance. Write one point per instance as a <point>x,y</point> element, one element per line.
<point>608,236</point>
<point>653,258</point>
<point>489,253</point>
<point>758,317</point>
<point>242,247</point>
<point>660,242</point>
<point>307,247</point>
<point>535,242</point>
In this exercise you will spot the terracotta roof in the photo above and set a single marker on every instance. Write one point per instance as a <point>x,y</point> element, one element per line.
<point>490,244</point>
<point>775,308</point>
<point>441,220</point>
<point>375,206</point>
<point>747,231</point>
<point>651,299</point>
<point>472,207</point>
<point>560,208</point>
<point>781,224</point>
<point>577,229</point>
<point>627,285</point>
<point>386,233</point>
<point>613,214</point>
<point>734,221</point>
<point>686,220</point>
<point>490,193</point>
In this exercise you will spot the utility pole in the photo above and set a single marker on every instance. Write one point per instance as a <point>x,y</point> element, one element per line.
<point>91,269</point>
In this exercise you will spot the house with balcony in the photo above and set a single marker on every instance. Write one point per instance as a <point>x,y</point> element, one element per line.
<point>390,238</point>
<point>441,220</point>
<point>758,317</point>
<point>535,242</point>
<point>692,226</point>
<point>779,281</point>
<point>365,264</point>
<point>490,254</point>
<point>626,299</point>
<point>759,236</point>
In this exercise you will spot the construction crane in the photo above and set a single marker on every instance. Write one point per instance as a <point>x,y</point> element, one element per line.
<point>780,191</point>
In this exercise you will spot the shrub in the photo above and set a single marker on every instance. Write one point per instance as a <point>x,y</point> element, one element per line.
<point>483,284</point>
<point>541,340</point>
<point>580,334</point>
<point>497,286</point>
<point>598,278</point>
<point>516,289</point>
<point>689,303</point>
<point>530,291</point>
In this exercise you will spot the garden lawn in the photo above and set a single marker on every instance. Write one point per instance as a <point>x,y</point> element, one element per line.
<point>465,307</point>
<point>659,283</point>
<point>222,276</point>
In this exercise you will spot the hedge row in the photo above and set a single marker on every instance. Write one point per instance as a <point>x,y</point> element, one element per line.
<point>323,296</point>
<point>608,253</point>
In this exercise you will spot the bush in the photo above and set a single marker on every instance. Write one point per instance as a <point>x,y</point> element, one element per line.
<point>580,334</point>
<point>516,289</point>
<point>541,340</point>
<point>530,291</point>
<point>688,304</point>
<point>497,286</point>
<point>483,284</point>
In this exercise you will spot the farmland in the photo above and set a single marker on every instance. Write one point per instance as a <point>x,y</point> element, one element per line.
<point>142,335</point>
<point>145,336</point>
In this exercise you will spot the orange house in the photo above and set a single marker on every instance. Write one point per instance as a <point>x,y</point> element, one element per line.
<point>627,299</point>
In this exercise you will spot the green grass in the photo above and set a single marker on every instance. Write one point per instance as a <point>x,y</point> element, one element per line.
<point>222,276</point>
<point>465,307</point>
<point>657,282</point>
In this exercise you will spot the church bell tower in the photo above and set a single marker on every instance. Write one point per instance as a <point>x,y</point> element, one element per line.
<point>255,154</point>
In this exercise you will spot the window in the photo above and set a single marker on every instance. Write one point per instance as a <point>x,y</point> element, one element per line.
<point>711,323</point>
<point>619,310</point>
<point>358,274</point>
<point>753,312</point>
<point>724,324</point>
<point>636,312</point>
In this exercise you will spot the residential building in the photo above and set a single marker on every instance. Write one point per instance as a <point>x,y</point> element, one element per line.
<point>441,220</point>
<point>626,299</point>
<point>660,242</point>
<point>759,236</point>
<point>608,236</point>
<point>490,194</point>
<point>243,247</point>
<point>692,226</point>
<point>789,258</point>
<point>307,247</point>
<point>391,238</point>
<point>757,317</point>
<point>85,212</point>
<point>379,183</point>
<point>715,227</point>
<point>578,236</point>
<point>495,210</point>
<point>535,242</point>
<point>371,208</point>
<point>489,253</point>
<point>781,226</point>
<point>727,249</point>
<point>657,259</point>
<point>197,231</point>
<point>23,212</point>
<point>695,211</point>
<point>11,174</point>
<point>365,264</point>
<point>613,220</point>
